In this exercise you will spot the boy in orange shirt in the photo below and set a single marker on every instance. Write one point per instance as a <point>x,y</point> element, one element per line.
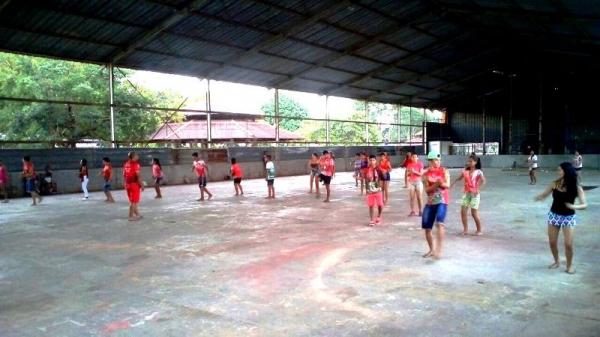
<point>385,167</point>
<point>107,175</point>
<point>30,177</point>
<point>373,180</point>
<point>236,174</point>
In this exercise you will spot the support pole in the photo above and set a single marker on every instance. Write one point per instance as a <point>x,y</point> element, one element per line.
<point>208,115</point>
<point>483,124</point>
<point>540,117</point>
<point>398,121</point>
<point>111,95</point>
<point>423,127</point>
<point>366,120</point>
<point>277,116</point>
<point>327,126</point>
<point>510,115</point>
<point>410,124</point>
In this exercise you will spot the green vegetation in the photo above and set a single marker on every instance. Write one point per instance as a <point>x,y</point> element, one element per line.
<point>287,108</point>
<point>41,78</point>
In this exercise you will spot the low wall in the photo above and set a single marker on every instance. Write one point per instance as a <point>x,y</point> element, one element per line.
<point>177,163</point>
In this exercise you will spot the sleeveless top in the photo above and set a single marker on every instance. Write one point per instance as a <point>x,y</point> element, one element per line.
<point>559,198</point>
<point>472,180</point>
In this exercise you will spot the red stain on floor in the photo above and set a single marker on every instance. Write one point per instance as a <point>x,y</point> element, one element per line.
<point>114,326</point>
<point>264,274</point>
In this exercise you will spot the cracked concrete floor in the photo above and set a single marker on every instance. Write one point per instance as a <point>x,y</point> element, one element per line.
<point>293,266</point>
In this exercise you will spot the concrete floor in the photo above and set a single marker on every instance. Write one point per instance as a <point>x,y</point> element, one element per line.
<point>294,266</point>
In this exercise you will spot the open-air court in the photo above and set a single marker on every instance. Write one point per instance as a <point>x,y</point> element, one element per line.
<point>293,266</point>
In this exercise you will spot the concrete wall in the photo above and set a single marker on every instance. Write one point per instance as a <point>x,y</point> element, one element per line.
<point>177,165</point>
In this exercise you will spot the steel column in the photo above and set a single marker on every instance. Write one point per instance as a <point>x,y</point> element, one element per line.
<point>111,95</point>
<point>277,115</point>
<point>208,115</point>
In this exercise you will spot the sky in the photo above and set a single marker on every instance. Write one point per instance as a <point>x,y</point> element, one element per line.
<point>234,97</point>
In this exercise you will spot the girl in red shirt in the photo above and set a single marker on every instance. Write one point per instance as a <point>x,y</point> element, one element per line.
<point>157,174</point>
<point>133,184</point>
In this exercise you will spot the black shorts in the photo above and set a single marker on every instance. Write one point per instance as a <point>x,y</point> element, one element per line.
<point>202,181</point>
<point>237,180</point>
<point>325,179</point>
<point>157,180</point>
<point>270,182</point>
<point>578,169</point>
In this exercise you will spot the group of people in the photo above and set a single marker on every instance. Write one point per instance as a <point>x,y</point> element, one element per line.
<point>373,176</point>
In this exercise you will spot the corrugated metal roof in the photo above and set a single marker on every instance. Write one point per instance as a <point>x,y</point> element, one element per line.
<point>364,49</point>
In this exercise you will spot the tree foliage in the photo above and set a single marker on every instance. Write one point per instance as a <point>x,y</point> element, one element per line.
<point>287,108</point>
<point>41,78</point>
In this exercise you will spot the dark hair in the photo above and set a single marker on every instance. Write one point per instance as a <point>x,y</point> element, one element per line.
<point>130,155</point>
<point>233,161</point>
<point>83,162</point>
<point>325,152</point>
<point>106,159</point>
<point>268,157</point>
<point>477,161</point>
<point>157,162</point>
<point>195,154</point>
<point>372,156</point>
<point>358,154</point>
<point>315,154</point>
<point>569,180</point>
<point>26,158</point>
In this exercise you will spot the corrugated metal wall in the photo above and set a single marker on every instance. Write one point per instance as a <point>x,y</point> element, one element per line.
<point>467,128</point>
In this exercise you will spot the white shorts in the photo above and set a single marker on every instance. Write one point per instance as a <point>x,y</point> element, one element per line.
<point>415,185</point>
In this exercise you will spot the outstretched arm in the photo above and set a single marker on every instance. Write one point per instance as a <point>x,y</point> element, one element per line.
<point>545,194</point>
<point>459,178</point>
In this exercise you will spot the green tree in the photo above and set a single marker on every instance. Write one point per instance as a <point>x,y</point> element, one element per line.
<point>347,132</point>
<point>41,78</point>
<point>287,108</point>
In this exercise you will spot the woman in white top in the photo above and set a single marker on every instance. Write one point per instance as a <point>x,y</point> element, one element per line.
<point>532,161</point>
<point>577,161</point>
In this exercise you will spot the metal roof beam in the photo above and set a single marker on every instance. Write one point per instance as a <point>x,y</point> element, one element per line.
<point>350,50</point>
<point>446,67</point>
<point>449,84</point>
<point>398,22</point>
<point>291,38</point>
<point>470,9</point>
<point>299,26</point>
<point>163,25</point>
<point>4,3</point>
<point>396,64</point>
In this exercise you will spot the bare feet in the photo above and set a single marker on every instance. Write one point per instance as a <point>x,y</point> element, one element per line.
<point>463,233</point>
<point>326,200</point>
<point>210,197</point>
<point>412,214</point>
<point>429,254</point>
<point>554,265</point>
<point>478,233</point>
<point>570,270</point>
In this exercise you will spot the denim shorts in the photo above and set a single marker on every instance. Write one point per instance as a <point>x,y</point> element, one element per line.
<point>106,187</point>
<point>433,214</point>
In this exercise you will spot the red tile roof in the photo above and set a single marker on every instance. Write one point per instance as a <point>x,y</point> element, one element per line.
<point>222,130</point>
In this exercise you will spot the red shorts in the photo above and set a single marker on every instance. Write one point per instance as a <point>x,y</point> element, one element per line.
<point>134,192</point>
<point>375,199</point>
